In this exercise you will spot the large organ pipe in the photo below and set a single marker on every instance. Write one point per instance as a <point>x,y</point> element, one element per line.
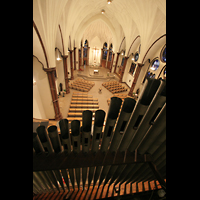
<point>37,180</point>
<point>41,131</point>
<point>97,131</point>
<point>112,115</point>
<point>37,145</point>
<point>54,137</point>
<point>113,112</point>
<point>75,129</point>
<point>40,179</point>
<point>124,116</point>
<point>55,140</point>
<point>65,136</point>
<point>145,98</point>
<point>158,125</point>
<point>86,136</point>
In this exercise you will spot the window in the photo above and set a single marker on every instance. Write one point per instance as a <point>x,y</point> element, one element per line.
<point>136,56</point>
<point>164,72</point>
<point>85,49</point>
<point>155,65</point>
<point>163,54</point>
<point>122,61</point>
<point>132,68</point>
<point>104,54</point>
<point>110,56</point>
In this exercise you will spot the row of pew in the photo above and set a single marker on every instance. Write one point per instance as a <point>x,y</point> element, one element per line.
<point>81,101</point>
<point>81,85</point>
<point>114,87</point>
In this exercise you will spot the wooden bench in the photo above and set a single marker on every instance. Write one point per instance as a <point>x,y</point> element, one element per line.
<point>76,114</point>
<point>81,109</point>
<point>84,102</point>
<point>84,99</point>
<point>83,106</point>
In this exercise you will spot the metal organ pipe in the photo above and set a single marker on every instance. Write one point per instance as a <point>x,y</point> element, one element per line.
<point>124,116</point>
<point>113,112</point>
<point>97,130</point>
<point>145,98</point>
<point>65,136</point>
<point>37,145</point>
<point>41,131</point>
<point>86,135</point>
<point>54,137</point>
<point>75,129</point>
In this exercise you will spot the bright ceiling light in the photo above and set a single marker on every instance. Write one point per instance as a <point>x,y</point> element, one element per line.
<point>109,1</point>
<point>102,11</point>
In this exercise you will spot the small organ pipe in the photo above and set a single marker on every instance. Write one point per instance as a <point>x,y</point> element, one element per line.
<point>38,176</point>
<point>113,112</point>
<point>37,145</point>
<point>65,176</point>
<point>65,136</point>
<point>41,131</point>
<point>52,177</point>
<point>54,137</point>
<point>145,98</point>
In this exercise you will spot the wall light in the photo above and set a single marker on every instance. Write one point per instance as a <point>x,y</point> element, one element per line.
<point>34,82</point>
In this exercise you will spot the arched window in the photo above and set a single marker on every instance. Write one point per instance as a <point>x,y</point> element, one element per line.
<point>136,56</point>
<point>85,48</point>
<point>155,64</point>
<point>163,54</point>
<point>132,68</point>
<point>122,61</point>
<point>105,51</point>
<point>164,72</point>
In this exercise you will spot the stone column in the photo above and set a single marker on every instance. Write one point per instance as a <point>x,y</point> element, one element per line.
<point>50,73</point>
<point>123,68</point>
<point>66,73</point>
<point>138,69</point>
<point>72,70</point>
<point>116,62</point>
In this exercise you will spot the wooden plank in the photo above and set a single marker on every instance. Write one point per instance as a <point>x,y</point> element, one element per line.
<point>83,106</point>
<point>85,102</point>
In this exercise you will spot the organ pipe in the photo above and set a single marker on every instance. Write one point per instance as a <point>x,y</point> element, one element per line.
<point>113,112</point>
<point>145,98</point>
<point>86,135</point>
<point>41,131</point>
<point>75,128</point>
<point>37,145</point>
<point>65,136</point>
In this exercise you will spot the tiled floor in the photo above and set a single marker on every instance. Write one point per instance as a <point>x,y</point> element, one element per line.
<point>64,102</point>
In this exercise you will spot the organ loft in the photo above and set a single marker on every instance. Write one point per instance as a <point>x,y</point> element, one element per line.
<point>99,99</point>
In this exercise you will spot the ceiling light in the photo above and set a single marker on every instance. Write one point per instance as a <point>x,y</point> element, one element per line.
<point>102,11</point>
<point>109,1</point>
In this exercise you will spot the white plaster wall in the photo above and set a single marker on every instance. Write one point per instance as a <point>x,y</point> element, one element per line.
<point>44,93</point>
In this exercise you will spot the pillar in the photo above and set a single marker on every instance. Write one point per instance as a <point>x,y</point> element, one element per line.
<point>66,73</point>
<point>51,78</point>
<point>116,62</point>
<point>72,70</point>
<point>88,53</point>
<point>113,55</point>
<point>123,68</point>
<point>138,69</point>
<point>74,58</point>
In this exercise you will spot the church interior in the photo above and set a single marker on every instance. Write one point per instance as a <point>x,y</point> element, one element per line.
<point>99,99</point>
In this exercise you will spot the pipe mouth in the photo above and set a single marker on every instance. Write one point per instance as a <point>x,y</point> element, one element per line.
<point>52,128</point>
<point>41,133</point>
<point>150,91</point>
<point>63,123</point>
<point>87,120</point>
<point>75,127</point>
<point>128,105</point>
<point>99,118</point>
<point>115,105</point>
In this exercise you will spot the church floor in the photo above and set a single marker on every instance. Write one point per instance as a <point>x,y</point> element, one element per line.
<point>64,102</point>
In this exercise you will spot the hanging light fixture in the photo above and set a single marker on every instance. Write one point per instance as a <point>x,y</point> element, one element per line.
<point>109,1</point>
<point>58,58</point>
<point>102,11</point>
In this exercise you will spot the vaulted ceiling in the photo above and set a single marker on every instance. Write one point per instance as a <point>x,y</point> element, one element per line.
<point>82,19</point>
